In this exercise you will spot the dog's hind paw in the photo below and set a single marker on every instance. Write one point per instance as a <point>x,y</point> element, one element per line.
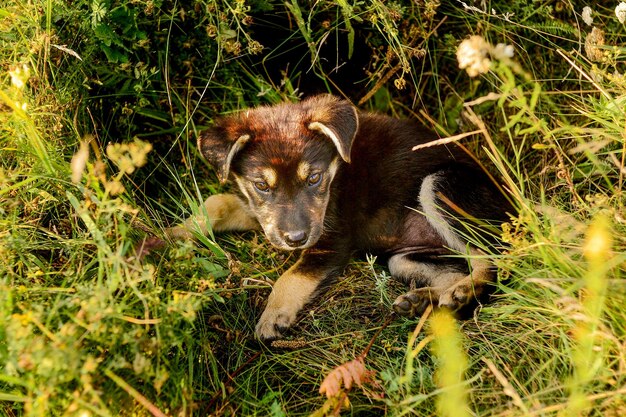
<point>272,323</point>
<point>415,302</point>
<point>461,295</point>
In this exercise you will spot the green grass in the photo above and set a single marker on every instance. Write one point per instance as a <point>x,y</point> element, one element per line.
<point>87,329</point>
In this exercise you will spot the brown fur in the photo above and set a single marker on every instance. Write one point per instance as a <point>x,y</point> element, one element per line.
<point>323,178</point>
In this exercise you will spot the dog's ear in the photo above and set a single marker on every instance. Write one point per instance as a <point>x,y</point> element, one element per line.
<point>219,146</point>
<point>337,119</point>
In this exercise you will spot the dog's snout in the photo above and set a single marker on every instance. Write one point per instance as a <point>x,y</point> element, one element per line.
<point>295,238</point>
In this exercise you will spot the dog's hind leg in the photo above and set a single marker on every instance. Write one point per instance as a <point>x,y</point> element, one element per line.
<point>443,286</point>
<point>440,284</point>
<point>221,213</point>
<point>431,274</point>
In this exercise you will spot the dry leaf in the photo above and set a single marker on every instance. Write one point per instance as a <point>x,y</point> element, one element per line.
<point>353,372</point>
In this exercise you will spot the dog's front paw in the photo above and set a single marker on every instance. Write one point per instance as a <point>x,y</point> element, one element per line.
<point>273,321</point>
<point>414,302</point>
<point>289,295</point>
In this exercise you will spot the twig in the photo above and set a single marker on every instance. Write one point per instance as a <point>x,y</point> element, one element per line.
<point>371,343</point>
<point>549,409</point>
<point>584,74</point>
<point>473,118</point>
<point>489,97</point>
<point>420,324</point>
<point>232,376</point>
<point>141,321</point>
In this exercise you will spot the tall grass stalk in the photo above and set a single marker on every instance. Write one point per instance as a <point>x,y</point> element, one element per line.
<point>413,350</point>
<point>588,353</point>
<point>452,364</point>
<point>24,126</point>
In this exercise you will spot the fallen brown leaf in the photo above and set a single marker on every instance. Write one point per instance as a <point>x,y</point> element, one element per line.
<point>349,373</point>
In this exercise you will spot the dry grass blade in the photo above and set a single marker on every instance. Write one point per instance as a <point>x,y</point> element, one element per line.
<point>509,390</point>
<point>141,399</point>
<point>444,141</point>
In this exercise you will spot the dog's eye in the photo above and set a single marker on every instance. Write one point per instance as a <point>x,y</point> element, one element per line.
<point>262,186</point>
<point>314,179</point>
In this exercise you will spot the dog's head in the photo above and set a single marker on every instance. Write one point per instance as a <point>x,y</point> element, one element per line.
<point>284,159</point>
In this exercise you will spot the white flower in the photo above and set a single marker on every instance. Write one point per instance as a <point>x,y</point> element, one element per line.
<point>472,54</point>
<point>587,15</point>
<point>502,51</point>
<point>16,80</point>
<point>620,12</point>
<point>19,76</point>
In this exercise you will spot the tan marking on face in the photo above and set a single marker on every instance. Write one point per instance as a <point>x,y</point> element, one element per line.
<point>270,176</point>
<point>242,183</point>
<point>304,170</point>
<point>332,168</point>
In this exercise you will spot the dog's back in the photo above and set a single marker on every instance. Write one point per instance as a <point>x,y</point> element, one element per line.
<point>378,192</point>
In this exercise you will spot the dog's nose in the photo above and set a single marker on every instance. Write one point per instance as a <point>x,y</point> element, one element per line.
<point>295,239</point>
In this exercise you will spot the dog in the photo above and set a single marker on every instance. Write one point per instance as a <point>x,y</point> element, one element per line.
<point>324,178</point>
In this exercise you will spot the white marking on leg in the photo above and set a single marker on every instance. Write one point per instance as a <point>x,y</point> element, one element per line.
<point>433,213</point>
<point>406,269</point>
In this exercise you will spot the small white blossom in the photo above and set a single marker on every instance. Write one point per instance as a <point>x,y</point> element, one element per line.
<point>620,12</point>
<point>502,51</point>
<point>472,55</point>
<point>587,15</point>
<point>19,76</point>
<point>16,80</point>
<point>508,15</point>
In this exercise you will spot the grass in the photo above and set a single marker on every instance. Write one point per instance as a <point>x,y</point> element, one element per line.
<point>86,328</point>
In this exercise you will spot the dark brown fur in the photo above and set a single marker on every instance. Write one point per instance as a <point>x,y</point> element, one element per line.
<point>374,195</point>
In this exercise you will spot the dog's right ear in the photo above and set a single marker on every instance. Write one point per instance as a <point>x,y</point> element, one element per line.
<point>336,119</point>
<point>219,147</point>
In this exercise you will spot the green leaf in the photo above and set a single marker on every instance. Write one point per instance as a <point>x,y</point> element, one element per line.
<point>104,33</point>
<point>114,55</point>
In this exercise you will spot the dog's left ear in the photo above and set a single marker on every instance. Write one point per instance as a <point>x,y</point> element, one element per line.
<point>219,146</point>
<point>337,119</point>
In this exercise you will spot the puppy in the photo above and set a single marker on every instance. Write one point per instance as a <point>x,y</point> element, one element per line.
<point>323,178</point>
